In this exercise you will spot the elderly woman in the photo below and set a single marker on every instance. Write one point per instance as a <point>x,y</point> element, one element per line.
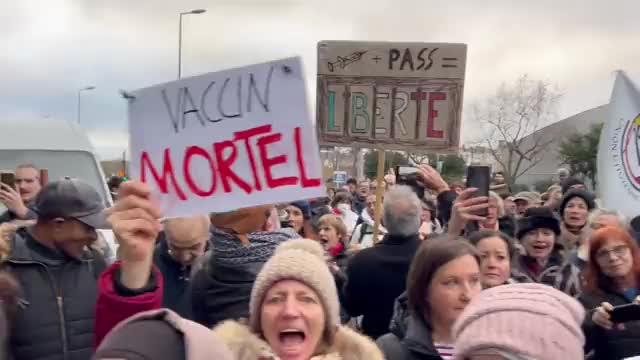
<point>574,210</point>
<point>496,251</point>
<point>542,260</point>
<point>294,312</point>
<point>443,279</point>
<point>612,279</point>
<point>598,219</point>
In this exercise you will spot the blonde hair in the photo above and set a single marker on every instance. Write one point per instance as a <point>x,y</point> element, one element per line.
<point>499,203</point>
<point>336,223</point>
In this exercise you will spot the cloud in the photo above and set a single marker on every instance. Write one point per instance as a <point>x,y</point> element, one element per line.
<point>59,46</point>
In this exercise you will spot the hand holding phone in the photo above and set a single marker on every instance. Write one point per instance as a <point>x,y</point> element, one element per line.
<point>9,179</point>
<point>625,313</point>
<point>479,177</point>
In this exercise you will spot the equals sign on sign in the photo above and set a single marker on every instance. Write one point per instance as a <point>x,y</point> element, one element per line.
<point>447,62</point>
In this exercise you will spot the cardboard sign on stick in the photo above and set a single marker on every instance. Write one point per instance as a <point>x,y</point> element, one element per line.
<point>388,95</point>
<point>226,140</point>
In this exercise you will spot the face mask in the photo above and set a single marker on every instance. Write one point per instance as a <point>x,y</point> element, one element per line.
<point>344,207</point>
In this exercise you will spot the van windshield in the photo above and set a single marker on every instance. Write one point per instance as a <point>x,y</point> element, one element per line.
<point>75,164</point>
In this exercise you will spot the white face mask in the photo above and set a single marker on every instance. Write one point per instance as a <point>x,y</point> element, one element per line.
<point>344,207</point>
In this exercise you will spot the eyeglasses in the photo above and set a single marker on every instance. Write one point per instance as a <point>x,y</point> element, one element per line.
<point>617,251</point>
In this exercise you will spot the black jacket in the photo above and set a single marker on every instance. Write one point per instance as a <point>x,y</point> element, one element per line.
<point>221,289</point>
<point>57,301</point>
<point>609,344</point>
<point>176,278</point>
<point>358,204</point>
<point>375,278</point>
<point>409,337</point>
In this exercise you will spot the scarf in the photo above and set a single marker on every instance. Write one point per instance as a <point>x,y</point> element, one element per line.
<point>230,250</point>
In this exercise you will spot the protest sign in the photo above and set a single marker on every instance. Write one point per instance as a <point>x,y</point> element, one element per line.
<point>226,140</point>
<point>619,150</point>
<point>394,96</point>
<point>340,177</point>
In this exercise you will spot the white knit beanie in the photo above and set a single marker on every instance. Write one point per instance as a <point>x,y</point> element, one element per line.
<point>302,260</point>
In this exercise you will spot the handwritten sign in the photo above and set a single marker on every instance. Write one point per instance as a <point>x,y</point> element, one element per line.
<point>226,140</point>
<point>395,96</point>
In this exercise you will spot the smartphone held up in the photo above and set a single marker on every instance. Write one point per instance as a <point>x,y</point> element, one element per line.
<point>479,177</point>
<point>9,179</point>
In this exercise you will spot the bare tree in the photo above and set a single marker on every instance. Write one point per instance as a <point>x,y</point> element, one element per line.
<point>511,118</point>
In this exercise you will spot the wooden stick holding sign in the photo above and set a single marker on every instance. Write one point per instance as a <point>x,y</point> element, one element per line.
<point>379,191</point>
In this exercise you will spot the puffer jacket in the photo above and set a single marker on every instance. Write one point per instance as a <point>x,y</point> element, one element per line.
<point>221,289</point>
<point>409,337</point>
<point>609,344</point>
<point>245,345</point>
<point>57,301</point>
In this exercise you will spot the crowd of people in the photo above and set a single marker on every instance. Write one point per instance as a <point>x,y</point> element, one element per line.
<point>450,275</point>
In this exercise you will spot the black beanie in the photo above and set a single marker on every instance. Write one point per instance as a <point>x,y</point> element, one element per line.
<point>149,339</point>
<point>568,183</point>
<point>537,218</point>
<point>588,198</point>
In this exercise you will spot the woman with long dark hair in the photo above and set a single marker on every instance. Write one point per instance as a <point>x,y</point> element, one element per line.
<point>612,279</point>
<point>444,277</point>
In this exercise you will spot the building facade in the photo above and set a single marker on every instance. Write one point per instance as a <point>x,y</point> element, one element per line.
<point>550,161</point>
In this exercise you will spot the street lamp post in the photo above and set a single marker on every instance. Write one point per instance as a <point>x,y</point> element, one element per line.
<point>196,11</point>
<point>86,88</point>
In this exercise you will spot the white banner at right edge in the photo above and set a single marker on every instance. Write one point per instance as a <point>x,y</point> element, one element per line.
<point>619,150</point>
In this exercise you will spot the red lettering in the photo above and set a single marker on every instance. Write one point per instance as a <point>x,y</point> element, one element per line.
<point>224,166</point>
<point>167,169</point>
<point>192,151</point>
<point>305,182</point>
<point>431,132</point>
<point>268,163</point>
<point>246,135</point>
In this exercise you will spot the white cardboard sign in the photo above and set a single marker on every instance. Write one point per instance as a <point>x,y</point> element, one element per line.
<point>226,140</point>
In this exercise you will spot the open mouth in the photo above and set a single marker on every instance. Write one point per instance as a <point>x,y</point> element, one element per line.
<point>292,338</point>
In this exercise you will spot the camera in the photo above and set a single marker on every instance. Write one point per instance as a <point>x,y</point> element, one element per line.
<point>283,216</point>
<point>408,175</point>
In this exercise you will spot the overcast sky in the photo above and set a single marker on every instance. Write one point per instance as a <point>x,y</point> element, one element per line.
<point>54,47</point>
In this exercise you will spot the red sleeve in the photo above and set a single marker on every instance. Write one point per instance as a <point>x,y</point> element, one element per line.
<point>112,308</point>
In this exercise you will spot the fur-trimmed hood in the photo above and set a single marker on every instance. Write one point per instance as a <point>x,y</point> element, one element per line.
<point>245,345</point>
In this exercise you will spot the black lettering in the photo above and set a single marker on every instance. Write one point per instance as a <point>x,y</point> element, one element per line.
<point>406,59</point>
<point>394,55</point>
<point>175,118</point>
<point>193,110</point>
<point>221,96</point>
<point>421,58</point>
<point>430,57</point>
<point>202,104</point>
<point>263,100</point>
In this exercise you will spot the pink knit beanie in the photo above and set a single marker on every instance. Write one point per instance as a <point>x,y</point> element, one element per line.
<point>526,319</point>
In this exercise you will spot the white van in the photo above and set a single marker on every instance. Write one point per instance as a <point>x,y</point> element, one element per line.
<point>60,147</point>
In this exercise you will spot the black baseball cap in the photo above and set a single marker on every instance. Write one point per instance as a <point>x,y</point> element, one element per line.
<point>71,198</point>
